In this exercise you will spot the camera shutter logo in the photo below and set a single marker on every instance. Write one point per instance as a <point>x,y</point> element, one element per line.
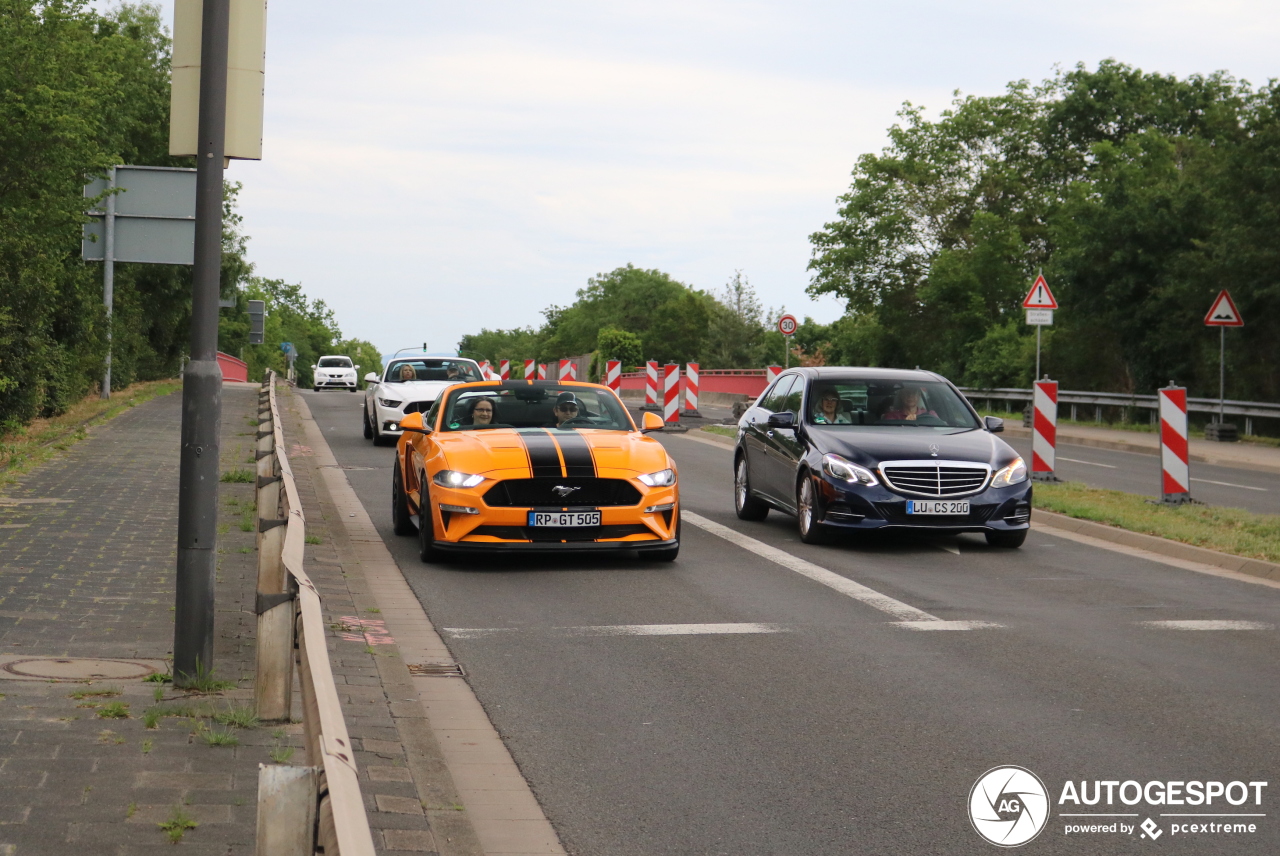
<point>1008,806</point>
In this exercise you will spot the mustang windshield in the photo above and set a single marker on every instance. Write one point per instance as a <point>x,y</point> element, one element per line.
<point>904,404</point>
<point>519,404</point>
<point>459,371</point>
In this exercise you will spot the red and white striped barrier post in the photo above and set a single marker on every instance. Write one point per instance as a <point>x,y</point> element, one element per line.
<point>530,369</point>
<point>691,390</point>
<point>651,386</point>
<point>1044,429</point>
<point>1175,487</point>
<point>485,371</point>
<point>613,374</point>
<point>771,374</point>
<point>542,371</point>
<point>568,370</point>
<point>504,370</point>
<point>671,393</point>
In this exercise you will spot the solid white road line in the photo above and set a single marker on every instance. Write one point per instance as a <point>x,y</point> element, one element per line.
<point>1207,625</point>
<point>1090,463</point>
<point>626,630</point>
<point>1230,484</point>
<point>906,615</point>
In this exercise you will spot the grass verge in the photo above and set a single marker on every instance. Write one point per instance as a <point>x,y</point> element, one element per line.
<point>25,448</point>
<point>722,430</point>
<point>1227,530</point>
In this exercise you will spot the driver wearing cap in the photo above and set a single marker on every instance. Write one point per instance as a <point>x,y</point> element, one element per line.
<point>567,407</point>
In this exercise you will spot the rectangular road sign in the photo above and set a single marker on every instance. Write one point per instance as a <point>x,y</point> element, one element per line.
<point>155,216</point>
<point>1040,317</point>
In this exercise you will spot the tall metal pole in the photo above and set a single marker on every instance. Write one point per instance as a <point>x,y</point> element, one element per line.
<point>1039,327</point>
<point>109,273</point>
<point>202,381</point>
<point>1222,374</point>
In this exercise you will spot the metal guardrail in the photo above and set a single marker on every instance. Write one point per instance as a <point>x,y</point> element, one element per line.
<point>1250,410</point>
<point>299,808</point>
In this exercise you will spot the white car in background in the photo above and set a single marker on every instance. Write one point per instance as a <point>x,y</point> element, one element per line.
<point>409,385</point>
<point>334,372</point>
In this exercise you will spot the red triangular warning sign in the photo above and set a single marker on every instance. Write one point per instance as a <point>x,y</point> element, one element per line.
<point>1039,297</point>
<point>1224,312</point>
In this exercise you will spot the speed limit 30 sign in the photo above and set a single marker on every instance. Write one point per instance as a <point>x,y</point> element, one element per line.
<point>787,325</point>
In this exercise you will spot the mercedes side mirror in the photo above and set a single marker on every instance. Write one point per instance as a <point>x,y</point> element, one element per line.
<point>650,421</point>
<point>370,377</point>
<point>994,424</point>
<point>786,419</point>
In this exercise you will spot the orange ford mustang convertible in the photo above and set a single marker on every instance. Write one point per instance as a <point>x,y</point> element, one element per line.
<point>533,466</point>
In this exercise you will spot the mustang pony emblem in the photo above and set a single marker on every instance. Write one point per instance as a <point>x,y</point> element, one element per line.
<point>933,449</point>
<point>563,490</point>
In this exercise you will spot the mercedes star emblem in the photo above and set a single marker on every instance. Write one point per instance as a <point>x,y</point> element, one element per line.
<point>933,449</point>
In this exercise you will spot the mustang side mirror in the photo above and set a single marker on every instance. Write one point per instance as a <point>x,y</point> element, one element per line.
<point>994,424</point>
<point>786,419</point>
<point>650,422</point>
<point>413,422</point>
<point>314,366</point>
<point>371,378</point>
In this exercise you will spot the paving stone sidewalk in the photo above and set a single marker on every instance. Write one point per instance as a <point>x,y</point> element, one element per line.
<point>87,557</point>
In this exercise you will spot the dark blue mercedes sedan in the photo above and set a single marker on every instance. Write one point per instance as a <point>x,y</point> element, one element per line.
<point>853,449</point>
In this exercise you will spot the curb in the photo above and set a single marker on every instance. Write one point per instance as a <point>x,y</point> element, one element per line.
<point>1158,545</point>
<point>1017,431</point>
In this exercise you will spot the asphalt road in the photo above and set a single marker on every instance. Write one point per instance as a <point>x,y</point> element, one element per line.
<point>821,725</point>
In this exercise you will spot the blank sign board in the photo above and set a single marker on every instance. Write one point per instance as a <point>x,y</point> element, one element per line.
<point>154,216</point>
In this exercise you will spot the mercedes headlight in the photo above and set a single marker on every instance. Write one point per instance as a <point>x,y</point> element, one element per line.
<point>388,402</point>
<point>847,471</point>
<point>1015,473</point>
<point>662,478</point>
<point>453,478</point>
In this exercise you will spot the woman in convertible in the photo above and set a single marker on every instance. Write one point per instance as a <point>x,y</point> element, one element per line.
<point>480,411</point>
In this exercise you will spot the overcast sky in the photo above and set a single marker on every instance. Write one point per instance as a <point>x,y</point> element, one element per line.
<point>431,167</point>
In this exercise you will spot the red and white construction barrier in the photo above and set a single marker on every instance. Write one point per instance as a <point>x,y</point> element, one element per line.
<point>613,374</point>
<point>691,390</point>
<point>1175,485</point>
<point>485,371</point>
<point>504,369</point>
<point>671,393</point>
<point>568,370</point>
<point>771,373</point>
<point>542,371</point>
<point>1044,430</point>
<point>651,386</point>
<point>530,369</point>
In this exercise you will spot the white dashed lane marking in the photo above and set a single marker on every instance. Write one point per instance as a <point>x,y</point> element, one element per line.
<point>1207,625</point>
<point>1231,484</point>
<point>908,616</point>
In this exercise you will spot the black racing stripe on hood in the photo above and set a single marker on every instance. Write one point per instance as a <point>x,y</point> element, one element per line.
<point>544,459</point>
<point>578,462</point>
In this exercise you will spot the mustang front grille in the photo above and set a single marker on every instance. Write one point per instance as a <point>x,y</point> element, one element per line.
<point>418,406</point>
<point>561,493</point>
<point>935,478</point>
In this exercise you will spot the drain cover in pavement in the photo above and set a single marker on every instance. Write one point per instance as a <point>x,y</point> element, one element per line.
<point>77,669</point>
<point>436,670</point>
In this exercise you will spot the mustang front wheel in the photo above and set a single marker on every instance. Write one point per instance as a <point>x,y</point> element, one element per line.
<point>401,522</point>
<point>427,550</point>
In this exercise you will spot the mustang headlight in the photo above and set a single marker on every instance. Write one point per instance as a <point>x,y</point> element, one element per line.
<point>1015,473</point>
<point>388,402</point>
<point>662,478</point>
<point>453,478</point>
<point>839,468</point>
